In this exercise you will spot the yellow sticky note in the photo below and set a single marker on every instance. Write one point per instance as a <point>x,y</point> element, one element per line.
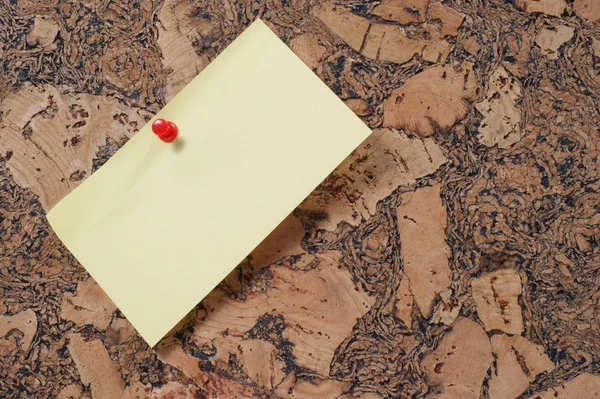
<point>160,225</point>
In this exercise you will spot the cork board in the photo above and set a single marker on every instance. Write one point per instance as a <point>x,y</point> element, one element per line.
<point>455,253</point>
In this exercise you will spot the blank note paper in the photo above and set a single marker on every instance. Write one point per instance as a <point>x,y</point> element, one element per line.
<point>160,225</point>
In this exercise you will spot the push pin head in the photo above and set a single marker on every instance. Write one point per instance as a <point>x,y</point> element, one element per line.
<point>171,133</point>
<point>165,130</point>
<point>159,127</point>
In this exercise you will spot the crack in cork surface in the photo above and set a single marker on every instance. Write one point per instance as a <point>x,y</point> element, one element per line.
<point>454,254</point>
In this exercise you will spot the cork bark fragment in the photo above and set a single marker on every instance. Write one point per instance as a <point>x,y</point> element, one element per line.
<point>43,32</point>
<point>548,7</point>
<point>309,49</point>
<point>88,305</point>
<point>496,296</point>
<point>501,116</point>
<point>24,322</point>
<point>95,367</point>
<point>587,9</point>
<point>459,364</point>
<point>421,224</point>
<point>446,309</point>
<point>551,38</point>
<point>403,11</point>
<point>404,302</point>
<point>430,101</point>
<point>517,363</point>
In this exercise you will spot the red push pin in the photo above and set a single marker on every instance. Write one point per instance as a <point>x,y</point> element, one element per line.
<point>165,130</point>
